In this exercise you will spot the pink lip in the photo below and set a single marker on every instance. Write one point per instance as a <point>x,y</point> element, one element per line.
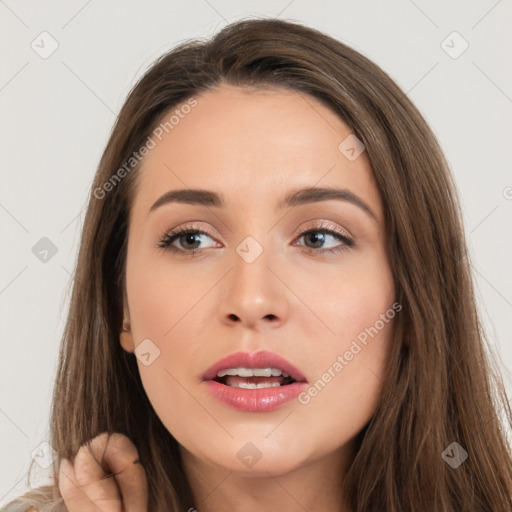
<point>254,400</point>
<point>262,359</point>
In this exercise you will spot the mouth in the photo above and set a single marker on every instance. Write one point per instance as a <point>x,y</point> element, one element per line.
<point>254,382</point>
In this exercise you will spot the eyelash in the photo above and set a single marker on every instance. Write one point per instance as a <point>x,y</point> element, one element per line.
<point>168,238</point>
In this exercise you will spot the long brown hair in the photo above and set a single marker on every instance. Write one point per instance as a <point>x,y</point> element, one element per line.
<point>440,388</point>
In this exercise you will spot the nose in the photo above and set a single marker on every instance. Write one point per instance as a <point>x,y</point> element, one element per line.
<point>254,295</point>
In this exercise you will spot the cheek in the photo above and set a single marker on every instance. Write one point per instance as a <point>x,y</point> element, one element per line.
<point>167,311</point>
<point>353,301</point>
<point>350,364</point>
<point>160,297</point>
<point>346,389</point>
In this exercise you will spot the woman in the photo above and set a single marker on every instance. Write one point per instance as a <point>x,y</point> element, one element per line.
<point>318,347</point>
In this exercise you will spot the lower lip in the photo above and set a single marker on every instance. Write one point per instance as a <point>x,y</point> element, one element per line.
<point>254,400</point>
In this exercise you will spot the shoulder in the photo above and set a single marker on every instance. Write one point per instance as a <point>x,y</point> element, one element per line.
<point>18,505</point>
<point>40,499</point>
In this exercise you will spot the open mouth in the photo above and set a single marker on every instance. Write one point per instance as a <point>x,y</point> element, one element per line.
<point>254,381</point>
<point>253,378</point>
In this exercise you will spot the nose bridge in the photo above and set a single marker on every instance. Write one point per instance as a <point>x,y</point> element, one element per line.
<point>251,273</point>
<point>254,292</point>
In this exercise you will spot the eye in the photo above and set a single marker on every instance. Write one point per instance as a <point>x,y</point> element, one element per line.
<point>188,237</point>
<point>319,236</point>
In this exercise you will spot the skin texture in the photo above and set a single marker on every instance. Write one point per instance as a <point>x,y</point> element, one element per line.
<point>254,147</point>
<point>105,475</point>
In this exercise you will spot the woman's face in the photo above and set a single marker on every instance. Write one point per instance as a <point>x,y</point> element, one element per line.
<point>322,301</point>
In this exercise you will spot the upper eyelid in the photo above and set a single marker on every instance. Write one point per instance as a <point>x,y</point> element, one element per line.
<point>311,226</point>
<point>320,225</point>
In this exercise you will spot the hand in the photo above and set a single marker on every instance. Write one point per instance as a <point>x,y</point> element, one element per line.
<point>86,486</point>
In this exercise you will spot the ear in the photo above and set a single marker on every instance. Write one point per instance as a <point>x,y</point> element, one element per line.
<point>125,336</point>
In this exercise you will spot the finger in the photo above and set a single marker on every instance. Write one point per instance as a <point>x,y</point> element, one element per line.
<point>121,456</point>
<point>90,476</point>
<point>134,488</point>
<point>75,498</point>
<point>89,465</point>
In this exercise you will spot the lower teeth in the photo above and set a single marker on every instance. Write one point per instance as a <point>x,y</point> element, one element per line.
<point>248,385</point>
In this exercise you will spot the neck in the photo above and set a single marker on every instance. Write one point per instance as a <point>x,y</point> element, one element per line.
<point>315,485</point>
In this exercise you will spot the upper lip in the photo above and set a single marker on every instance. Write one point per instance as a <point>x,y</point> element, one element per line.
<point>262,359</point>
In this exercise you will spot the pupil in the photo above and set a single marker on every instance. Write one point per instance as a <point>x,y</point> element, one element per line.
<point>316,236</point>
<point>189,237</point>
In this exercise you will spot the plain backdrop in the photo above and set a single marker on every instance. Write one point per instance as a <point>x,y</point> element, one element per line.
<point>57,111</point>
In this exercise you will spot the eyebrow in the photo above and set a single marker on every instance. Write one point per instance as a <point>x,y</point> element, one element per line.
<point>295,198</point>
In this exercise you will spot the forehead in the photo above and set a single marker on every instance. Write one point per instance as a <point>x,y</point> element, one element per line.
<point>248,144</point>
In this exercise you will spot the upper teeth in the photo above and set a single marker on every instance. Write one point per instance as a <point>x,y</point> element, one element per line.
<point>253,372</point>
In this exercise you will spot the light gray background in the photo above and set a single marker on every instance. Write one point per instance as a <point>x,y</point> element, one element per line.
<point>57,114</point>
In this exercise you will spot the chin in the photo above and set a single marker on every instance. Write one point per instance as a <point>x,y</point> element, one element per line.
<point>252,463</point>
